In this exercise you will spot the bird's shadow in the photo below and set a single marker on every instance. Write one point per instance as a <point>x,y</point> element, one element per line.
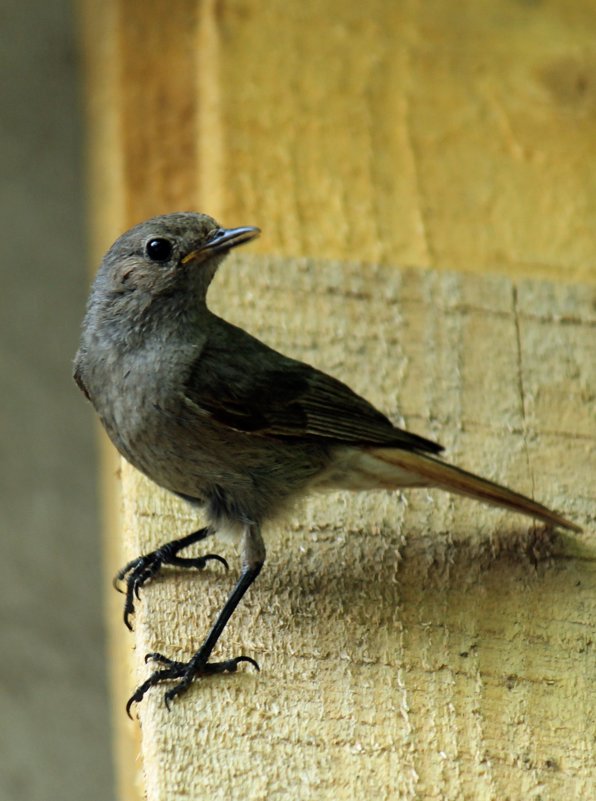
<point>390,591</point>
<point>380,594</point>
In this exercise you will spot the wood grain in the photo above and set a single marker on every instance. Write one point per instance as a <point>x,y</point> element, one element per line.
<point>435,134</point>
<point>411,647</point>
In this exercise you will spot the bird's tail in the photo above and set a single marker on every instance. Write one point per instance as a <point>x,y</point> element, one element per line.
<point>428,471</point>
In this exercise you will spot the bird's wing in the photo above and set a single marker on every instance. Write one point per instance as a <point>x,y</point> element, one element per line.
<point>247,386</point>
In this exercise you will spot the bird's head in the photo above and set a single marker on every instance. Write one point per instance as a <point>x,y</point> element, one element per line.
<point>170,253</point>
<point>160,269</point>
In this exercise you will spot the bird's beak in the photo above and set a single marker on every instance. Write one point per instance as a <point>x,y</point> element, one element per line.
<point>222,240</point>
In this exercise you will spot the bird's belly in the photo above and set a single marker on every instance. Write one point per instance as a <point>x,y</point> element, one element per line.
<point>239,477</point>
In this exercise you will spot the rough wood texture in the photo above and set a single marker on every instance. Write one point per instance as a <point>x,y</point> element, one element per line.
<point>410,648</point>
<point>451,135</point>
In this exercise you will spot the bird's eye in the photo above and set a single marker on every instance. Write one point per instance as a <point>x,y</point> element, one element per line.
<point>159,249</point>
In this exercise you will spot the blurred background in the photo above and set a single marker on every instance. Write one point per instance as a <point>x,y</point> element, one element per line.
<point>54,737</point>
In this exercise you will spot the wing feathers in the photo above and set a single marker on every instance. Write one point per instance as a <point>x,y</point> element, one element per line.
<point>259,391</point>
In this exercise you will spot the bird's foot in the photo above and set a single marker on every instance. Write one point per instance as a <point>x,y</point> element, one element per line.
<point>140,570</point>
<point>187,672</point>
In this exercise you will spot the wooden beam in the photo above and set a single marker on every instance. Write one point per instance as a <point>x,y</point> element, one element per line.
<point>407,645</point>
<point>408,649</point>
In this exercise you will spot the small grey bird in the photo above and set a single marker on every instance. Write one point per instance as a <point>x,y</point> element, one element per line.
<point>225,422</point>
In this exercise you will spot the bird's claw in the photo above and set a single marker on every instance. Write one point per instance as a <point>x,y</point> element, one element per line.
<point>135,574</point>
<point>187,672</point>
<point>139,571</point>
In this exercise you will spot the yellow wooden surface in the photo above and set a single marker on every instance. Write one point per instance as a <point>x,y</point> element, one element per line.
<point>434,134</point>
<point>416,647</point>
<point>444,134</point>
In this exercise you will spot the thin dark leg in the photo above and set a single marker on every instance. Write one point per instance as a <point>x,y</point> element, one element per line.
<point>140,570</point>
<point>199,665</point>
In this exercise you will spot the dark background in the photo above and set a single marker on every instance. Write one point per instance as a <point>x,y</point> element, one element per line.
<point>54,713</point>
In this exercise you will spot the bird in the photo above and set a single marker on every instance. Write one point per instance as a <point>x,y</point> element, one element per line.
<point>227,423</point>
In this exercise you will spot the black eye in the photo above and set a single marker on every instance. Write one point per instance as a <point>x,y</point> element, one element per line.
<point>159,249</point>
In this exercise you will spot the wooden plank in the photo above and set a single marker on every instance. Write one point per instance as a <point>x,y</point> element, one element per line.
<point>429,134</point>
<point>410,647</point>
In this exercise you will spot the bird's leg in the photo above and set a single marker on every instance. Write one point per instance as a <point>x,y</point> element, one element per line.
<point>138,571</point>
<point>253,557</point>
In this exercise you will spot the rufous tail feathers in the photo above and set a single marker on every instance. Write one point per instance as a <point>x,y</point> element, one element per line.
<point>436,473</point>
